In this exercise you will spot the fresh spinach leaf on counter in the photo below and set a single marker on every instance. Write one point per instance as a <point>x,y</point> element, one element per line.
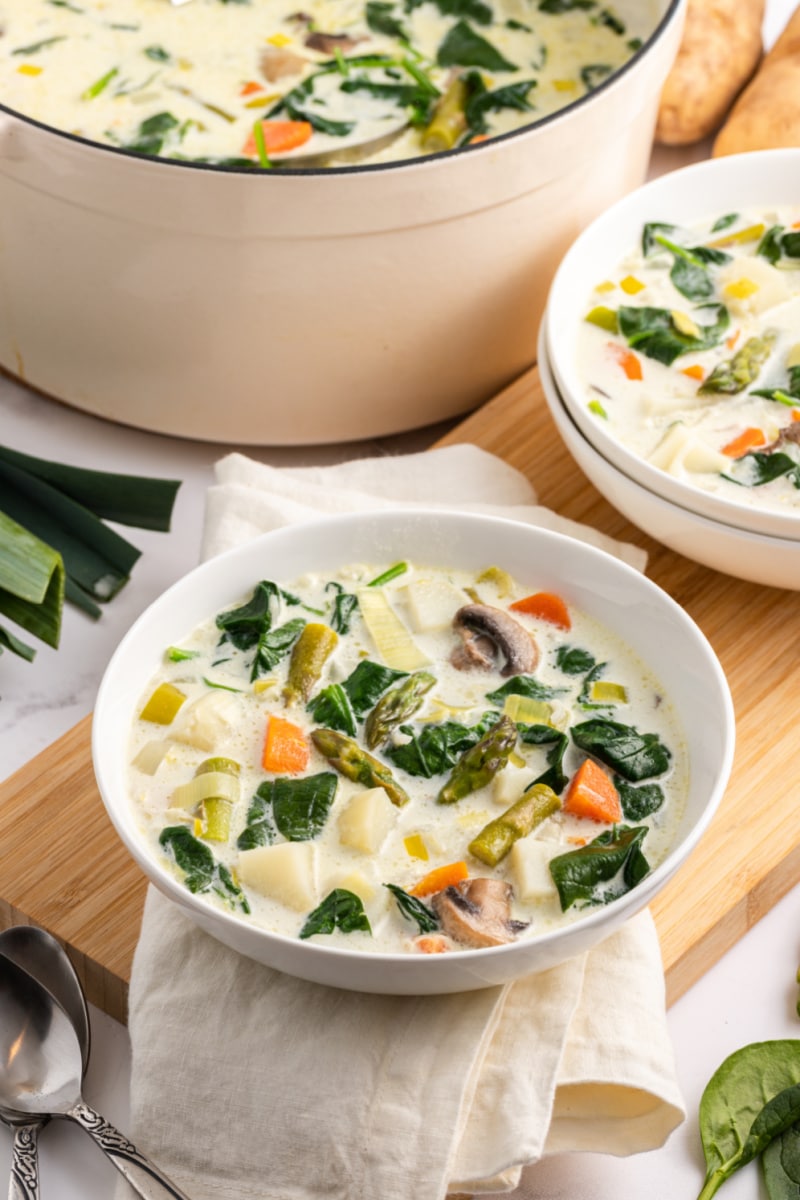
<point>300,807</point>
<point>633,755</point>
<point>655,333</point>
<point>463,47</point>
<point>437,748</point>
<point>781,1163</point>
<point>544,735</point>
<point>607,868</point>
<point>638,802</point>
<point>202,872</point>
<point>339,910</point>
<point>413,909</point>
<point>524,685</point>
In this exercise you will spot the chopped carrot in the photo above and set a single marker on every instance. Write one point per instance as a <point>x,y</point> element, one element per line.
<point>795,224</point>
<point>573,841</point>
<point>279,136</point>
<point>592,794</point>
<point>251,86</point>
<point>796,414</point>
<point>732,340</point>
<point>479,137</point>
<point>748,439</point>
<point>286,747</point>
<point>546,606</point>
<point>432,943</point>
<point>440,878</point>
<point>627,360</point>
<point>694,372</point>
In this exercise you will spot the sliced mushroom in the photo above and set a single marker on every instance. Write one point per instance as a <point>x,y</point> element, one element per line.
<point>486,632</point>
<point>477,912</point>
<point>329,43</point>
<point>277,62</point>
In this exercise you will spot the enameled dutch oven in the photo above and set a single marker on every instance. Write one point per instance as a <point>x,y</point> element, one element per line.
<point>289,308</point>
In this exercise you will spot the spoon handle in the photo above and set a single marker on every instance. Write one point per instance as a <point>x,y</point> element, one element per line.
<point>24,1181</point>
<point>143,1175</point>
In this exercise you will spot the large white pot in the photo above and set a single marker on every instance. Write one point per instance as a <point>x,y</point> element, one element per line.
<point>292,308</point>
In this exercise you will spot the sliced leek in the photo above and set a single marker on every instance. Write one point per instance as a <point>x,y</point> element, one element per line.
<point>395,644</point>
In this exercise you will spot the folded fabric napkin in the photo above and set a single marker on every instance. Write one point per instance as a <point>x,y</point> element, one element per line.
<point>247,1083</point>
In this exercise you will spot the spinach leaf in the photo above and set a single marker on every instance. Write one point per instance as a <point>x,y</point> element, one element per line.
<point>367,683</point>
<point>584,699</point>
<point>35,47</point>
<point>781,1164</point>
<point>202,872</point>
<point>650,233</point>
<point>724,222</point>
<point>274,645</point>
<point>153,133</point>
<point>300,806</point>
<point>413,909</point>
<point>381,19</point>
<point>638,802</point>
<point>259,828</point>
<point>524,685</point>
<point>475,10</point>
<point>611,21</point>
<point>339,910</point>
<point>543,735</point>
<point>653,331</point>
<point>331,708</point>
<point>437,748</point>
<point>607,868</point>
<point>157,53</point>
<point>770,245</point>
<point>633,755</point>
<point>593,75</point>
<point>689,272</point>
<point>344,605</point>
<point>572,660</point>
<point>562,6</point>
<point>750,1099</point>
<point>784,395</point>
<point>243,626</point>
<point>790,244</point>
<point>481,101</point>
<point>757,468</point>
<point>463,47</point>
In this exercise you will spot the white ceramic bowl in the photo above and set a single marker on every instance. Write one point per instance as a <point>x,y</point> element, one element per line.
<point>743,181</point>
<point>652,625</point>
<point>291,307</point>
<point>769,561</point>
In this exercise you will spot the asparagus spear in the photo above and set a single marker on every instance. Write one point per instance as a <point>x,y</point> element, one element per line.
<point>496,839</point>
<point>740,371</point>
<point>480,763</point>
<point>309,655</point>
<point>396,706</point>
<point>350,760</point>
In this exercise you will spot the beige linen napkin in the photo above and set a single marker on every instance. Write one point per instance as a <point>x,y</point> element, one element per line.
<point>250,1085</point>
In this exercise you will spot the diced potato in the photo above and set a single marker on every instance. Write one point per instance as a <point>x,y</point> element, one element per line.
<point>432,603</point>
<point>770,286</point>
<point>206,723</point>
<point>353,881</point>
<point>366,821</point>
<point>509,784</point>
<point>286,872</point>
<point>698,457</point>
<point>672,445</point>
<point>529,861</point>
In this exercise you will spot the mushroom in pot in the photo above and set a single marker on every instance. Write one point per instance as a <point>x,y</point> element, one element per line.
<point>278,62</point>
<point>485,633</point>
<point>477,913</point>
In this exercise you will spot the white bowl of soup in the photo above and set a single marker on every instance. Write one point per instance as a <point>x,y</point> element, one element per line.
<point>414,752</point>
<point>673,330</point>
<point>757,557</point>
<point>162,276</point>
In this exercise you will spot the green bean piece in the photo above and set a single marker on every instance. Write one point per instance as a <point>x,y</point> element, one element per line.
<point>740,371</point>
<point>217,810</point>
<point>496,839</point>
<point>449,121</point>
<point>397,706</point>
<point>354,763</point>
<point>309,655</point>
<point>480,763</point>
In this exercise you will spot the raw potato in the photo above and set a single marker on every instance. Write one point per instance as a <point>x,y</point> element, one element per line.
<point>720,49</point>
<point>767,114</point>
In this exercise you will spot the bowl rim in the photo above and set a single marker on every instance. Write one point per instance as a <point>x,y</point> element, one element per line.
<point>561,331</point>
<point>671,12</point>
<point>118,805</point>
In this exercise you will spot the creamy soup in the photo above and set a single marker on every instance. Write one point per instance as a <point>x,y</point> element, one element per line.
<point>395,758</point>
<point>258,82</point>
<point>690,354</point>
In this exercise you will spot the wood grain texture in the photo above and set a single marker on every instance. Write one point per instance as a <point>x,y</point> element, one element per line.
<point>63,867</point>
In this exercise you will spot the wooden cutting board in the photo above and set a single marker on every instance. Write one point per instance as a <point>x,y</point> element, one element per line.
<point>63,867</point>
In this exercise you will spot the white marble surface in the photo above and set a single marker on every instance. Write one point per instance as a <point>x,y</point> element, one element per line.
<point>749,995</point>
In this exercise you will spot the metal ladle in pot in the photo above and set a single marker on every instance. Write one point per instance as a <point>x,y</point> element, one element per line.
<point>38,953</point>
<point>41,1070</point>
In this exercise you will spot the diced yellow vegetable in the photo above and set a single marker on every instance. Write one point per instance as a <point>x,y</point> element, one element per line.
<point>605,286</point>
<point>604,317</point>
<point>393,641</point>
<point>263,685</point>
<point>163,705</point>
<point>736,280</point>
<point>594,406</point>
<point>631,285</point>
<point>366,821</point>
<point>29,69</point>
<point>501,580</point>
<point>684,324</point>
<point>740,289</point>
<point>564,85</point>
<point>526,710</point>
<point>279,39</point>
<point>286,872</point>
<point>603,691</point>
<point>415,847</point>
<point>749,234</point>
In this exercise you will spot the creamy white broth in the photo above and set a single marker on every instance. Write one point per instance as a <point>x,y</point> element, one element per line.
<point>191,81</point>
<point>423,834</point>
<point>671,416</point>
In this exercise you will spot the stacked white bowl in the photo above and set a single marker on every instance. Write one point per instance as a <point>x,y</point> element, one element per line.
<point>751,541</point>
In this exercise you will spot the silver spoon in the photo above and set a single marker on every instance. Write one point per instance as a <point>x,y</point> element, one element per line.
<point>38,953</point>
<point>40,1074</point>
